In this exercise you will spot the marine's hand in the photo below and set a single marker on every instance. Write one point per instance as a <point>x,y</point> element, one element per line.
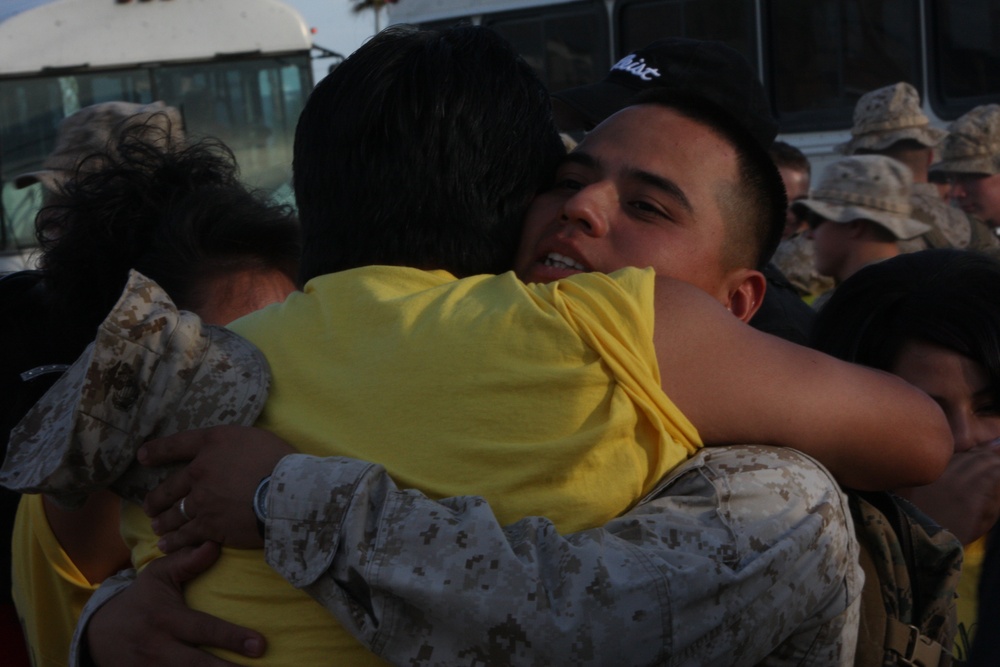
<point>149,624</point>
<point>966,498</point>
<point>225,464</point>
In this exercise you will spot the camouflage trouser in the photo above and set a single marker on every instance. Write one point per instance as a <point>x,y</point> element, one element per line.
<point>744,555</point>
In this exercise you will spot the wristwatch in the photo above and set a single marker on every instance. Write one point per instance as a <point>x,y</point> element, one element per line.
<point>260,503</point>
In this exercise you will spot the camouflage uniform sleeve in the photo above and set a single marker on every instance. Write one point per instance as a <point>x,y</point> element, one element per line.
<point>743,556</point>
<point>110,587</point>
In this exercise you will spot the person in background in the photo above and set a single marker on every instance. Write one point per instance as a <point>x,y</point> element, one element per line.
<point>857,213</point>
<point>970,159</point>
<point>796,172</point>
<point>795,257</point>
<point>889,121</point>
<point>933,318</point>
<point>176,212</point>
<point>38,344</point>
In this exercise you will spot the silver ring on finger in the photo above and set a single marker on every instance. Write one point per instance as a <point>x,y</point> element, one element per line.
<point>181,508</point>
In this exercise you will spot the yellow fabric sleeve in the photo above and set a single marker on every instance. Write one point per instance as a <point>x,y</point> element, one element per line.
<point>49,591</point>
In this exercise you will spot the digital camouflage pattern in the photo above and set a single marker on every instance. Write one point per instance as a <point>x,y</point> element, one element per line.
<point>85,135</point>
<point>795,257</point>
<point>744,555</point>
<point>887,115</point>
<point>866,187</point>
<point>912,567</point>
<point>152,371</point>
<point>973,143</point>
<point>950,226</point>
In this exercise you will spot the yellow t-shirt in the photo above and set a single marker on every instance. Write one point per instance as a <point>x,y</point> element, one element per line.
<point>967,603</point>
<point>544,399</point>
<point>49,591</point>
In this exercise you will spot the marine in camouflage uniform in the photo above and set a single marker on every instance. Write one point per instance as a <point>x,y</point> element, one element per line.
<point>970,157</point>
<point>889,121</point>
<point>742,556</point>
<point>951,228</point>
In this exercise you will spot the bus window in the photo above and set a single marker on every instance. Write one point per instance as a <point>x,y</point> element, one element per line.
<point>823,55</point>
<point>965,70</point>
<point>30,110</point>
<point>567,46</point>
<point>731,21</point>
<point>250,105</point>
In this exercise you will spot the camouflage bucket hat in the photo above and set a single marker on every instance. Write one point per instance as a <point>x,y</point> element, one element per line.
<point>887,115</point>
<point>866,187</point>
<point>91,130</point>
<point>973,144</point>
<point>151,372</point>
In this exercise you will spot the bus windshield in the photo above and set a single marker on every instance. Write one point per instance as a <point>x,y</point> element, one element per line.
<point>248,99</point>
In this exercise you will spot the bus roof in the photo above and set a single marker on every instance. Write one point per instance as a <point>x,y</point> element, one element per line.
<point>420,11</point>
<point>81,34</point>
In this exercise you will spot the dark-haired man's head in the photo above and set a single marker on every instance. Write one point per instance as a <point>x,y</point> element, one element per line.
<point>660,184</point>
<point>713,84</point>
<point>422,149</point>
<point>754,204</point>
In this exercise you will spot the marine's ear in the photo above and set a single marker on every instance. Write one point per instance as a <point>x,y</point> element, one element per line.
<point>746,288</point>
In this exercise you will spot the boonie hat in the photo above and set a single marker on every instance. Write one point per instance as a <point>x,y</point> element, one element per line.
<point>866,187</point>
<point>695,68</point>
<point>151,372</point>
<point>887,115</point>
<point>90,130</point>
<point>973,143</point>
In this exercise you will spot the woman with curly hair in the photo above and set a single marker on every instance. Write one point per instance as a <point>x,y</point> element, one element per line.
<point>177,213</point>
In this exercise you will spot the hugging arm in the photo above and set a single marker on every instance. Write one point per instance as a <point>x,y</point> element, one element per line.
<point>143,620</point>
<point>693,574</point>
<point>697,573</point>
<point>736,384</point>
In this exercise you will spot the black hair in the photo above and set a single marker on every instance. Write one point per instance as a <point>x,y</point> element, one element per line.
<point>755,210</point>
<point>946,297</point>
<point>178,214</point>
<point>788,156</point>
<point>422,149</point>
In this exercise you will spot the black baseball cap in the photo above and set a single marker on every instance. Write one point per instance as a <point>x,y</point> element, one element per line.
<point>694,68</point>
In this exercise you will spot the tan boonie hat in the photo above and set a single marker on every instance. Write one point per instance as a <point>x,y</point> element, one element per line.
<point>151,372</point>
<point>887,115</point>
<point>91,130</point>
<point>973,143</point>
<point>866,187</point>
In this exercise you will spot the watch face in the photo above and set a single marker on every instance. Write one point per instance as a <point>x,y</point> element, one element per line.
<point>260,498</point>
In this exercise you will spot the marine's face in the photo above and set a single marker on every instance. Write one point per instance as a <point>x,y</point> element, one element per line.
<point>797,188</point>
<point>642,189</point>
<point>831,242</point>
<point>978,195</point>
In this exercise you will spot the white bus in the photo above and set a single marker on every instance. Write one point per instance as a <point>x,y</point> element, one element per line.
<point>238,70</point>
<point>815,57</point>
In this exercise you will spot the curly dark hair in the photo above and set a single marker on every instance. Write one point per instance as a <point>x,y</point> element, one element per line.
<point>946,297</point>
<point>177,213</point>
